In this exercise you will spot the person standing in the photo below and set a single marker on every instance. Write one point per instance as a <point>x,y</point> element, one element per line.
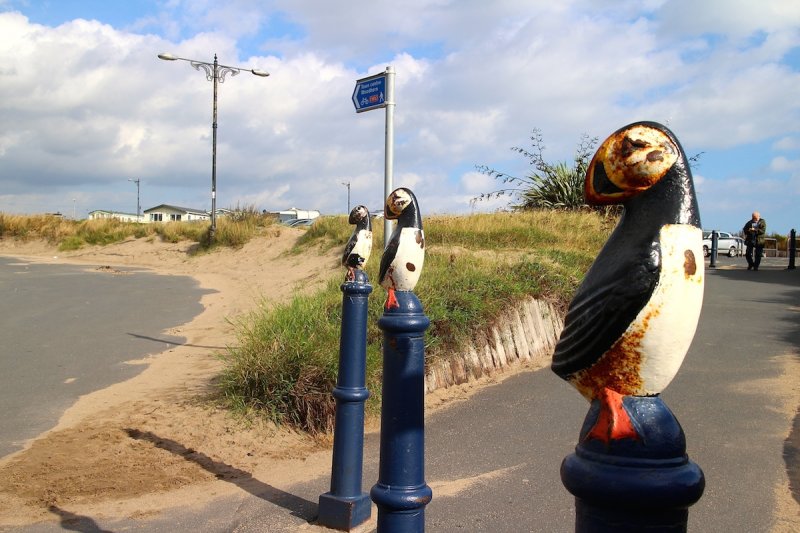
<point>754,232</point>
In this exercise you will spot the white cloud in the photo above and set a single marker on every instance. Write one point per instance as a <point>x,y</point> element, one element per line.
<point>787,144</point>
<point>782,164</point>
<point>92,106</point>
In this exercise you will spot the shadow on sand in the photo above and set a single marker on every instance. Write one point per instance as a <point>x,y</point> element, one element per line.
<point>75,522</point>
<point>298,507</point>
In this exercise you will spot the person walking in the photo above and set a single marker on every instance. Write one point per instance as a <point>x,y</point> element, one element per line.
<point>754,232</point>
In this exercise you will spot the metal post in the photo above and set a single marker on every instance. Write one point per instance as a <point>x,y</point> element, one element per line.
<point>632,485</point>
<point>792,248</point>
<point>214,73</point>
<point>714,249</point>
<point>347,184</point>
<point>138,205</point>
<point>389,155</point>
<point>401,493</point>
<point>213,229</point>
<point>346,506</point>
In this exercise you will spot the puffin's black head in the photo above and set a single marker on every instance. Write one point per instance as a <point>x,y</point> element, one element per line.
<point>632,160</point>
<point>402,206</point>
<point>360,217</point>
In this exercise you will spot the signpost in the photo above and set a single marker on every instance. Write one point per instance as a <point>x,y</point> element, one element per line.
<point>370,93</point>
<point>374,92</point>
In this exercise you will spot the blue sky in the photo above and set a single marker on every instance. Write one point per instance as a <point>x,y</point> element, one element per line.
<point>85,104</point>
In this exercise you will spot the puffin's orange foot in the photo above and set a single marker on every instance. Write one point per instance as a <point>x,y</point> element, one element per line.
<point>613,423</point>
<point>391,300</point>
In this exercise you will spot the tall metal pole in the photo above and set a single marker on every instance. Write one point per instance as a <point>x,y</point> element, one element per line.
<point>138,204</point>
<point>347,184</point>
<point>215,73</point>
<point>213,229</point>
<point>389,162</point>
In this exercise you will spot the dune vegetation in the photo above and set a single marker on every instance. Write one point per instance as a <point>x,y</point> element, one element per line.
<point>285,361</point>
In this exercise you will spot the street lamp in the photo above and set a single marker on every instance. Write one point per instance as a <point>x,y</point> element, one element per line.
<point>347,184</point>
<point>215,73</point>
<point>138,208</point>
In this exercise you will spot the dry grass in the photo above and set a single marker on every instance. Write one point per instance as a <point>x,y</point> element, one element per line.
<point>233,231</point>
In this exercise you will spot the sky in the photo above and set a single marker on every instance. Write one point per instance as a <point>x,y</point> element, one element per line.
<point>86,105</point>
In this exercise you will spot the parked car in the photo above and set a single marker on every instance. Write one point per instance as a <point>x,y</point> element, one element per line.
<point>726,244</point>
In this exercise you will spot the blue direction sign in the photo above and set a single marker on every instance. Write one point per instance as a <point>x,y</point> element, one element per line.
<point>370,93</point>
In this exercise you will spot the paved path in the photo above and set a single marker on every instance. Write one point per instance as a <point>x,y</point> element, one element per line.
<point>493,462</point>
<point>69,330</point>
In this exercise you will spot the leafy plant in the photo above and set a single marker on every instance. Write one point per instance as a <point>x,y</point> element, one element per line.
<point>549,185</point>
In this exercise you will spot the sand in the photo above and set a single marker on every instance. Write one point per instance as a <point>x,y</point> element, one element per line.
<point>122,451</point>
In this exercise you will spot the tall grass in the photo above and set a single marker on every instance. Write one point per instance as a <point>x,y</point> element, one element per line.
<point>232,231</point>
<point>284,363</point>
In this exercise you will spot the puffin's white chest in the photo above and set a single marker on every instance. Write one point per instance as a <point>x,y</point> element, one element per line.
<point>665,326</point>
<point>406,266</point>
<point>363,245</point>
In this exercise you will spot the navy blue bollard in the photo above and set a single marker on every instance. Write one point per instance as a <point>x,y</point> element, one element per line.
<point>714,249</point>
<point>631,485</point>
<point>401,493</point>
<point>346,506</point>
<point>792,249</point>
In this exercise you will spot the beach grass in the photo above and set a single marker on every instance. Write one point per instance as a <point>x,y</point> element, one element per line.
<point>232,230</point>
<point>284,363</point>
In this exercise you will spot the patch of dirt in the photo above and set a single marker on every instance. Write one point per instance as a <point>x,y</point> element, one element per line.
<point>127,449</point>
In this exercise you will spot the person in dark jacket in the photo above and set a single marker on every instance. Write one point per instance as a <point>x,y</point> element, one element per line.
<point>754,232</point>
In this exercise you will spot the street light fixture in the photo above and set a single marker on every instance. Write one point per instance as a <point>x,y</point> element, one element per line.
<point>215,73</point>
<point>138,208</point>
<point>347,184</point>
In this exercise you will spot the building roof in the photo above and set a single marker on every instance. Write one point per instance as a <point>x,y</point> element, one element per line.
<point>112,212</point>
<point>177,208</point>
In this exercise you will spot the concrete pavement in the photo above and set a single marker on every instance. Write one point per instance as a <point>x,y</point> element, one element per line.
<point>68,330</point>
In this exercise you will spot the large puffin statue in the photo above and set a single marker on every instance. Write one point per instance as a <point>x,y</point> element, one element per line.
<point>358,248</point>
<point>633,317</point>
<point>404,255</point>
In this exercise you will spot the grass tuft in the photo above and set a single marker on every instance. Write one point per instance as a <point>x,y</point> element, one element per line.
<point>285,361</point>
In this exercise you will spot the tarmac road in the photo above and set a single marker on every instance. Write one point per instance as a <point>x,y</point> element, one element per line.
<point>493,461</point>
<point>68,330</point>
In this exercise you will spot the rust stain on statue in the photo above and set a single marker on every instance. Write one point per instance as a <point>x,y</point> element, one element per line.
<point>620,367</point>
<point>689,264</point>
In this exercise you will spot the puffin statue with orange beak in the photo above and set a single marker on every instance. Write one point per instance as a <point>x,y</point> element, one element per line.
<point>404,255</point>
<point>634,316</point>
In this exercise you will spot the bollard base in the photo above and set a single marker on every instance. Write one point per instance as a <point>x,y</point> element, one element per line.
<point>599,520</point>
<point>343,513</point>
<point>644,484</point>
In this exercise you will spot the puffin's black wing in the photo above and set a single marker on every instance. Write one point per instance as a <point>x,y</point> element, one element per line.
<point>389,254</point>
<point>348,249</point>
<point>615,289</point>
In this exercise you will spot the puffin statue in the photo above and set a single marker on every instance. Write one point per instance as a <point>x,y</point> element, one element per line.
<point>404,255</point>
<point>358,248</point>
<point>633,317</point>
